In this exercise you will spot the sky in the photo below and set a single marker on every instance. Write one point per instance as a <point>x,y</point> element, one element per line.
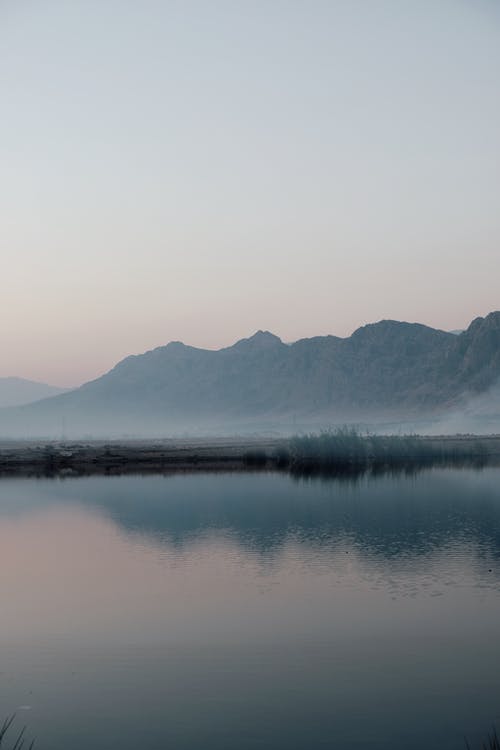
<point>199,170</point>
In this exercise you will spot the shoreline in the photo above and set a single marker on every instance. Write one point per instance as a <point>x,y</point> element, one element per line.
<point>86,458</point>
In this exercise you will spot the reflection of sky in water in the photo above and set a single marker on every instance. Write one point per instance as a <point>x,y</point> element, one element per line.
<point>252,610</point>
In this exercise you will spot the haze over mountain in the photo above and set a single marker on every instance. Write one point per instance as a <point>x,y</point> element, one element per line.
<point>17,391</point>
<point>387,371</point>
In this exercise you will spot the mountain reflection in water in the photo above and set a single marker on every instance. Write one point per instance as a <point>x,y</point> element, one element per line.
<point>252,610</point>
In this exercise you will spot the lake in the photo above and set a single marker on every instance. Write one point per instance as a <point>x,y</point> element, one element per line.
<point>252,610</point>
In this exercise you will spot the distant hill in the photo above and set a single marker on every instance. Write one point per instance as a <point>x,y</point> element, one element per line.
<point>17,391</point>
<point>385,371</point>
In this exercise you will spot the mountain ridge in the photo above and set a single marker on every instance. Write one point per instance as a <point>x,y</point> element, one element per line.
<point>16,391</point>
<point>391,369</point>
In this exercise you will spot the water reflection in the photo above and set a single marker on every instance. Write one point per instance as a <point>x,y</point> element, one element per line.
<point>252,610</point>
<point>387,515</point>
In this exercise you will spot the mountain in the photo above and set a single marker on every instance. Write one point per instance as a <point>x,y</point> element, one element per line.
<point>388,370</point>
<point>17,391</point>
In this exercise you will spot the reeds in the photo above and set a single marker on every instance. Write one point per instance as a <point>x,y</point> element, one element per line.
<point>346,446</point>
<point>492,742</point>
<point>20,740</point>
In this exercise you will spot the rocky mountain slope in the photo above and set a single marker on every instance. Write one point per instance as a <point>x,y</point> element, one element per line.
<point>387,370</point>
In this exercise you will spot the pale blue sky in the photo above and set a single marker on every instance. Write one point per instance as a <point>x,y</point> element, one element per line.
<point>199,170</point>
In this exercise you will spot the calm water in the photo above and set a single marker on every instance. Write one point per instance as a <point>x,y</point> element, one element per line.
<point>239,611</point>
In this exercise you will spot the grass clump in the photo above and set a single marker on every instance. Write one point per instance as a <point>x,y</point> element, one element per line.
<point>328,448</point>
<point>346,447</point>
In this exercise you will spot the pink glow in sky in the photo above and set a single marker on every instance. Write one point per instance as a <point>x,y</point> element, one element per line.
<point>197,171</point>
